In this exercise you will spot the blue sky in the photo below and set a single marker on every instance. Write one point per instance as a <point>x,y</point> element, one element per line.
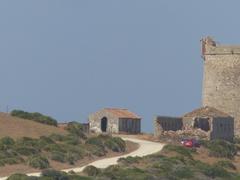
<point>70,58</point>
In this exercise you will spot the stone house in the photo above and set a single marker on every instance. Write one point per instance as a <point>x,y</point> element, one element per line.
<point>216,124</point>
<point>165,123</point>
<point>115,120</point>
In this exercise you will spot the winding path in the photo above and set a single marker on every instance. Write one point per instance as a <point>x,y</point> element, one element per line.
<point>145,148</point>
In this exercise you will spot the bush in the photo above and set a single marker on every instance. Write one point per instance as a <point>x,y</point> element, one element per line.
<point>221,148</point>
<point>183,173</point>
<point>35,117</point>
<point>56,175</point>
<point>11,160</point>
<point>95,141</point>
<point>29,142</point>
<point>54,147</point>
<point>116,144</point>
<point>7,141</point>
<point>72,139</point>
<point>211,171</point>
<point>76,129</point>
<point>180,150</point>
<point>27,151</point>
<point>46,140</point>
<point>91,171</point>
<point>58,156</point>
<point>38,162</point>
<point>114,172</point>
<point>57,137</point>
<point>130,160</point>
<point>72,157</point>
<point>216,171</point>
<point>226,164</point>
<point>18,177</point>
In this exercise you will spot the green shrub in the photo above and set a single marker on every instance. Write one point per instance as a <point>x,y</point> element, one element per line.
<point>130,160</point>
<point>91,171</point>
<point>216,171</point>
<point>56,175</point>
<point>211,171</point>
<point>226,164</point>
<point>27,142</point>
<point>183,173</point>
<point>114,172</point>
<point>95,141</point>
<point>221,148</point>
<point>57,137</point>
<point>46,140</point>
<point>72,139</point>
<point>180,150</point>
<point>18,177</point>
<point>7,141</point>
<point>38,162</point>
<point>76,129</point>
<point>72,157</point>
<point>35,117</point>
<point>27,151</point>
<point>11,160</point>
<point>54,147</point>
<point>58,156</point>
<point>116,144</point>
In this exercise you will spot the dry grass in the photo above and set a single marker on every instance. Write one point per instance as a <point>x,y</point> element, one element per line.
<point>17,128</point>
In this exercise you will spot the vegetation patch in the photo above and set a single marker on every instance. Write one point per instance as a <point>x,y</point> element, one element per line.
<point>91,171</point>
<point>180,150</point>
<point>38,162</point>
<point>221,148</point>
<point>226,165</point>
<point>68,148</point>
<point>37,117</point>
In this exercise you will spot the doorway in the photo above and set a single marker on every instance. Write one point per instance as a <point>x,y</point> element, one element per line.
<point>104,123</point>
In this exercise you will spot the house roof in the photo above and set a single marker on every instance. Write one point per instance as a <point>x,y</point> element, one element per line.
<point>206,112</point>
<point>122,113</point>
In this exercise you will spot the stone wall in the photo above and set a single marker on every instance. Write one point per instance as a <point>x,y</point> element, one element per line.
<point>163,123</point>
<point>221,82</point>
<point>95,121</point>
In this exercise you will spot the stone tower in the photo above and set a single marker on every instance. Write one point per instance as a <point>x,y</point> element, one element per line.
<point>221,82</point>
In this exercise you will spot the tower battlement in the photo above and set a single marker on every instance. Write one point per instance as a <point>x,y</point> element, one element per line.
<point>210,47</point>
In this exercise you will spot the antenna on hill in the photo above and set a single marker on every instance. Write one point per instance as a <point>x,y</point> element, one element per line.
<point>7,109</point>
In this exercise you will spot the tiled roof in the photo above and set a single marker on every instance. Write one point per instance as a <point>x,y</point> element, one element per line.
<point>122,113</point>
<point>206,112</point>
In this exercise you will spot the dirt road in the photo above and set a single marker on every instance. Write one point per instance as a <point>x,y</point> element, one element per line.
<point>145,148</point>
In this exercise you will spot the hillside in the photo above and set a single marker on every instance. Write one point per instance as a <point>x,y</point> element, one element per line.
<point>16,127</point>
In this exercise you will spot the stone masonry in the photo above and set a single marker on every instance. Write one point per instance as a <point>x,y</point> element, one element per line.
<point>221,82</point>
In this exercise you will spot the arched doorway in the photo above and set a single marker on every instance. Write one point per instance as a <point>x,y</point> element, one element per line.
<point>104,123</point>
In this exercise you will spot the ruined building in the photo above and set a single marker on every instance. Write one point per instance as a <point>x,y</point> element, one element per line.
<point>165,123</point>
<point>115,120</point>
<point>216,124</point>
<point>207,122</point>
<point>221,83</point>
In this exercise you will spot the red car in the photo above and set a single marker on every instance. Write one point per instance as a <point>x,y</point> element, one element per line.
<point>190,143</point>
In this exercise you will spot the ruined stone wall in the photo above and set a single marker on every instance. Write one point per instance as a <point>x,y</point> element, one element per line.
<point>163,123</point>
<point>187,123</point>
<point>222,128</point>
<point>221,83</point>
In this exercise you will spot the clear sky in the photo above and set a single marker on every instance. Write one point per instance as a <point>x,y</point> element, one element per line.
<point>70,58</point>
